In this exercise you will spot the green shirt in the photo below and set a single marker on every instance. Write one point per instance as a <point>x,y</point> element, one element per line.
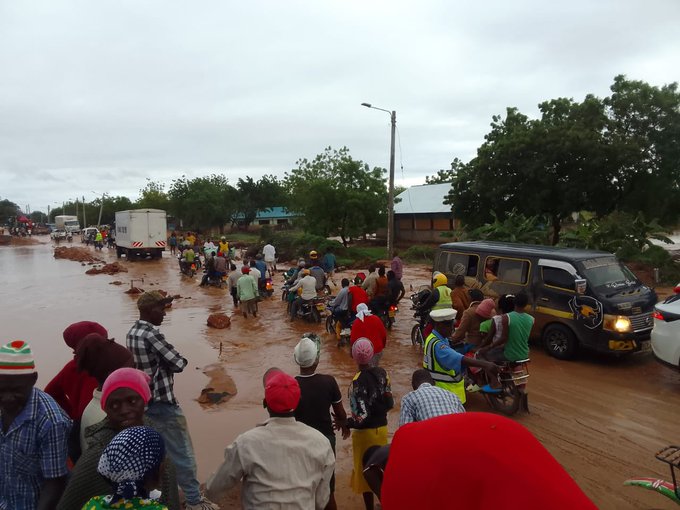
<point>519,327</point>
<point>246,287</point>
<point>189,255</point>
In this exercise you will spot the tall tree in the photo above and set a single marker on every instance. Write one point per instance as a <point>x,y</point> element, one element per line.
<point>203,201</point>
<point>153,196</point>
<point>444,176</point>
<point>644,134</point>
<point>260,195</point>
<point>8,210</point>
<point>338,195</point>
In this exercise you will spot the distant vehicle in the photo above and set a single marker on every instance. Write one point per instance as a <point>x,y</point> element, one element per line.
<point>59,234</point>
<point>51,227</point>
<point>85,233</point>
<point>141,232</point>
<point>666,332</point>
<point>67,223</point>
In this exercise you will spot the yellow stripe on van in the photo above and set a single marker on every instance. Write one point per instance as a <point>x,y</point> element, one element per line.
<point>554,312</point>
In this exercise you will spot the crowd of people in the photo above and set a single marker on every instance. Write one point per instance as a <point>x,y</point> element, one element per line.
<point>108,431</point>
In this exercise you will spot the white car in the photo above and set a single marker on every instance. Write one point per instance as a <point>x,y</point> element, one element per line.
<point>666,332</point>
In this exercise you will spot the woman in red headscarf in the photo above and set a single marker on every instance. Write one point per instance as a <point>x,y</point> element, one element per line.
<point>72,389</point>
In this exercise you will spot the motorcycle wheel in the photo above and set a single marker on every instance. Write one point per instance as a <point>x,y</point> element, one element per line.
<point>330,325</point>
<point>506,402</point>
<point>315,315</point>
<point>416,335</point>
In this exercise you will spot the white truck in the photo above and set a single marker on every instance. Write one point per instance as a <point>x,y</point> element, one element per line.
<point>69,224</point>
<point>141,232</point>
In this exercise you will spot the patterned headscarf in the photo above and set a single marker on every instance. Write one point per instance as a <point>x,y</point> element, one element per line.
<point>127,460</point>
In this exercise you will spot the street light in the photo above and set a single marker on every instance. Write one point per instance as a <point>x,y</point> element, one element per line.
<point>390,190</point>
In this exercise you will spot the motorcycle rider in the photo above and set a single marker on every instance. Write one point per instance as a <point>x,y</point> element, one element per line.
<point>439,298</point>
<point>395,289</point>
<point>340,306</point>
<point>188,257</point>
<point>209,271</point>
<point>308,285</point>
<point>380,302</point>
<point>317,272</point>
<point>444,363</point>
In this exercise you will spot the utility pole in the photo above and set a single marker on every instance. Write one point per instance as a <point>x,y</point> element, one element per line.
<point>84,214</point>
<point>390,193</point>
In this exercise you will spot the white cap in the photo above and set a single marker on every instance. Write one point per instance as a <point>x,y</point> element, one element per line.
<point>443,315</point>
<point>306,352</point>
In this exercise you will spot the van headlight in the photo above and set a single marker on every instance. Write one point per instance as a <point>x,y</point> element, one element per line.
<point>618,323</point>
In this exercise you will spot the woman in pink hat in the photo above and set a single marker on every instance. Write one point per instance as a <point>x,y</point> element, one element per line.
<point>124,397</point>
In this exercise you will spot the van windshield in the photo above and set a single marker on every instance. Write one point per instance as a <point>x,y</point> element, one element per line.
<point>71,223</point>
<point>608,273</point>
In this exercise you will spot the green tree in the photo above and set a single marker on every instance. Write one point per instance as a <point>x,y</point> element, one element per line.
<point>644,134</point>
<point>444,176</point>
<point>8,210</point>
<point>261,195</point>
<point>203,201</point>
<point>552,165</point>
<point>338,195</point>
<point>153,196</point>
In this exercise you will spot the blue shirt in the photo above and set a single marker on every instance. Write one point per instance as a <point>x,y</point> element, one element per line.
<point>33,449</point>
<point>428,402</point>
<point>262,268</point>
<point>328,263</point>
<point>448,358</point>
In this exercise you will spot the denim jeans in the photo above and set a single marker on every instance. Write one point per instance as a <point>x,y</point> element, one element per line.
<point>168,420</point>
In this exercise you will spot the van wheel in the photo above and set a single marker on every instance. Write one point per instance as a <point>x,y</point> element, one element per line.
<point>560,341</point>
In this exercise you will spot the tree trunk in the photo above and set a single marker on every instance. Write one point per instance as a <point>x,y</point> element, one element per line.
<point>556,227</point>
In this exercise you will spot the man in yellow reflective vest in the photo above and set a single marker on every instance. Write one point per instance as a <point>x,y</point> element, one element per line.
<point>444,363</point>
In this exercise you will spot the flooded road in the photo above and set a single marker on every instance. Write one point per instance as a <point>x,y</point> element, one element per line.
<point>602,419</point>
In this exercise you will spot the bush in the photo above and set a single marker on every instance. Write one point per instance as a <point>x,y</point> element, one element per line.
<point>420,253</point>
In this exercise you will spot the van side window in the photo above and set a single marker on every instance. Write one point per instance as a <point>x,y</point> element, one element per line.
<point>556,277</point>
<point>507,270</point>
<point>458,263</point>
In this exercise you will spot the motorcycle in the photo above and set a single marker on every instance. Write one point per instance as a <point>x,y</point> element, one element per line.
<point>671,456</point>
<point>513,377</point>
<point>187,269</point>
<point>213,280</point>
<point>334,327</point>
<point>268,287</point>
<point>310,310</point>
<point>420,315</point>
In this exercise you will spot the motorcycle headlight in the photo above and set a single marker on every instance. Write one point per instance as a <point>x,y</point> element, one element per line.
<point>618,323</point>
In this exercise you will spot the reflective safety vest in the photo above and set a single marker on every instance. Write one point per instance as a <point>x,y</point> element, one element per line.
<point>446,379</point>
<point>444,298</point>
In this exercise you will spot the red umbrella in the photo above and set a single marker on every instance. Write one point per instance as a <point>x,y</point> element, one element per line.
<point>23,219</point>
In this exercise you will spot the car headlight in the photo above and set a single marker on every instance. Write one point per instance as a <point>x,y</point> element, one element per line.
<point>618,323</point>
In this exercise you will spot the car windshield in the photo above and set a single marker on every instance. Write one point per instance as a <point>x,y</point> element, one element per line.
<point>72,223</point>
<point>608,273</point>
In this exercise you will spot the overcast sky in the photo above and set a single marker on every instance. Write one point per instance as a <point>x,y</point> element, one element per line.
<point>98,96</point>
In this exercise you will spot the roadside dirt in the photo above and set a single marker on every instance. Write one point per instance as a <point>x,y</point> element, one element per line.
<point>602,418</point>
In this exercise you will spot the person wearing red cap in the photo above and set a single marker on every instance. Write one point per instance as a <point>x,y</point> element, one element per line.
<point>283,463</point>
<point>73,389</point>
<point>124,396</point>
<point>504,467</point>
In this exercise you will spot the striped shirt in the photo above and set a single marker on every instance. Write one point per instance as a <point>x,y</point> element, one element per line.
<point>33,449</point>
<point>428,402</point>
<point>155,356</point>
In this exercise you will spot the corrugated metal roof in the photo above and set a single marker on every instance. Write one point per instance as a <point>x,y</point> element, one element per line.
<point>426,198</point>
<point>273,213</point>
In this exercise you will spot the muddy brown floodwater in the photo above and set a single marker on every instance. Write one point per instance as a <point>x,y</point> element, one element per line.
<point>602,418</point>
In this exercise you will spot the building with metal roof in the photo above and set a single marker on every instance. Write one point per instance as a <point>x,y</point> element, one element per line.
<point>420,213</point>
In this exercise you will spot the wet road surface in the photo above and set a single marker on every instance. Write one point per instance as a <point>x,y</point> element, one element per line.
<point>602,418</point>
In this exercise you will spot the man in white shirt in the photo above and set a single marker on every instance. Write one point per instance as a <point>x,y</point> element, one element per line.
<point>269,253</point>
<point>308,285</point>
<point>283,463</point>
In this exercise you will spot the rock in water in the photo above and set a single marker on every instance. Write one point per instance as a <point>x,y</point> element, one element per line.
<point>219,321</point>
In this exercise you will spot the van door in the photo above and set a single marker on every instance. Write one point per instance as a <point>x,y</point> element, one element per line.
<point>553,292</point>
